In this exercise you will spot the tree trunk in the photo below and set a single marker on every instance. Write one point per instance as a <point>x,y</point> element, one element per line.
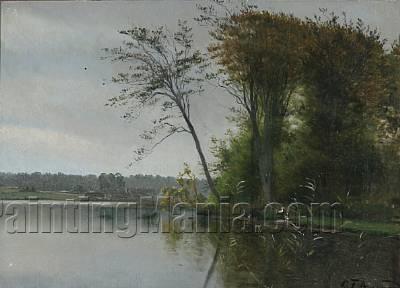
<point>267,151</point>
<point>203,161</point>
<point>262,158</point>
<point>265,163</point>
<point>266,179</point>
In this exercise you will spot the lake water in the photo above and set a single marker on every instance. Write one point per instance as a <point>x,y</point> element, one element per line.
<point>183,260</point>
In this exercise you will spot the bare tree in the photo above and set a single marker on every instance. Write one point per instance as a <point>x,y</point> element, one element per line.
<point>165,71</point>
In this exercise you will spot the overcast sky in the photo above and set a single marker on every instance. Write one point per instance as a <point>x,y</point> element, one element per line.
<point>52,113</point>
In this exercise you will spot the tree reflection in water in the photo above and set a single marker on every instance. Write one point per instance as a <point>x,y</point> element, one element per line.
<point>294,259</point>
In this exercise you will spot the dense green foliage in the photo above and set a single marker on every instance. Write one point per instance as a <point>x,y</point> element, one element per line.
<point>260,55</point>
<point>340,129</point>
<point>238,178</point>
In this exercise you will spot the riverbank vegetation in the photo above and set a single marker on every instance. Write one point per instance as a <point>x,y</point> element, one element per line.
<point>339,127</point>
<point>318,104</point>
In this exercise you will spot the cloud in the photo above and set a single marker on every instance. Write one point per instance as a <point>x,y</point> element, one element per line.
<point>28,138</point>
<point>52,114</point>
<point>25,148</point>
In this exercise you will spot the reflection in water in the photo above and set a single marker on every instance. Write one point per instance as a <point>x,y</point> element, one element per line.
<point>285,259</point>
<point>289,259</point>
<point>396,264</point>
<point>332,261</point>
<point>101,260</point>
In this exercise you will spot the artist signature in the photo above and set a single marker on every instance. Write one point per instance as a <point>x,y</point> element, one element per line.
<point>363,283</point>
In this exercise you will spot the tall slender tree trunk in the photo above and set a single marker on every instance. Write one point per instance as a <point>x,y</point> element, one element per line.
<point>262,159</point>
<point>266,162</point>
<point>203,161</point>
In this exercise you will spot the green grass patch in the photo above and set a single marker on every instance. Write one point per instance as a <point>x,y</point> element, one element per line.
<point>375,228</point>
<point>357,226</point>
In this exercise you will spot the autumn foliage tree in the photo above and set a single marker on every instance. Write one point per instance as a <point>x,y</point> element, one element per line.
<point>340,71</point>
<point>260,55</point>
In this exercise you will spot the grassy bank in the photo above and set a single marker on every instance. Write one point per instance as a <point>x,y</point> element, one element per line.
<point>358,226</point>
<point>374,228</point>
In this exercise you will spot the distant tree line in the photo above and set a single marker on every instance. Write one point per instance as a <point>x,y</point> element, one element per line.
<point>106,183</point>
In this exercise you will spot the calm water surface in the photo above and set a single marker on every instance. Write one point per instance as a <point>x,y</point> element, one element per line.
<point>183,260</point>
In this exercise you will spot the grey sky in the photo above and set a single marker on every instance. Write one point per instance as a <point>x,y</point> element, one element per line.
<point>52,114</point>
